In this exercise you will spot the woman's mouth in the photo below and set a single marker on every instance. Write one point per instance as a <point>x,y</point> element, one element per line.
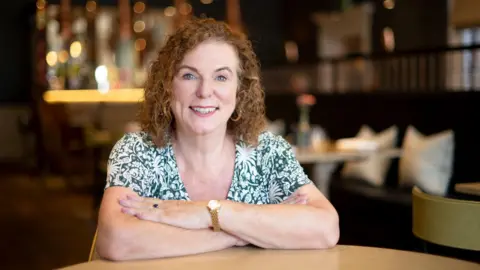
<point>203,111</point>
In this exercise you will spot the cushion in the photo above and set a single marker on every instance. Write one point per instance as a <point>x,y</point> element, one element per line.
<point>427,161</point>
<point>374,169</point>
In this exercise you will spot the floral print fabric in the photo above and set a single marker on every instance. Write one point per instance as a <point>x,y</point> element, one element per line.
<point>265,174</point>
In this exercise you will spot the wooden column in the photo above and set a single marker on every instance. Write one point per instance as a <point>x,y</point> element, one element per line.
<point>125,19</point>
<point>65,15</point>
<point>91,7</point>
<point>179,18</point>
<point>66,34</point>
<point>234,16</point>
<point>40,85</point>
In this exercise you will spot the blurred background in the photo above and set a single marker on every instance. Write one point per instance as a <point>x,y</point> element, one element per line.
<point>71,78</point>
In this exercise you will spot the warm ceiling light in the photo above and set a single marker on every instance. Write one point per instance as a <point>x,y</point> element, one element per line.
<point>389,4</point>
<point>75,49</point>
<point>139,26</point>
<point>206,2</point>
<point>41,4</point>
<point>140,44</point>
<point>51,58</point>
<point>185,9</point>
<point>291,51</point>
<point>388,39</point>
<point>170,11</point>
<point>139,7</point>
<point>63,56</point>
<point>91,6</point>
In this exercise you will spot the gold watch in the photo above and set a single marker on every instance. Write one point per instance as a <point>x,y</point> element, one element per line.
<point>214,207</point>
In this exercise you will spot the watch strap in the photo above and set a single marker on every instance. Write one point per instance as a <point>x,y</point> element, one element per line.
<point>215,221</point>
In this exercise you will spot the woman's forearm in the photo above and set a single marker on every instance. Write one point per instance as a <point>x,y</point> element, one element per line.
<point>131,239</point>
<point>281,226</point>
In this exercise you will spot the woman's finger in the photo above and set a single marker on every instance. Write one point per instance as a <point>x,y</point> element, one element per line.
<point>142,202</point>
<point>135,197</point>
<point>301,199</point>
<point>131,204</point>
<point>145,200</point>
<point>139,204</point>
<point>129,211</point>
<point>290,199</point>
<point>296,199</point>
<point>144,214</point>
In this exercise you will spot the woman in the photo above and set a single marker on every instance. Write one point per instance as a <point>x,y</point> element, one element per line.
<point>203,175</point>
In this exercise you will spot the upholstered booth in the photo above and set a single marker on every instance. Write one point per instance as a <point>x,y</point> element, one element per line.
<point>381,215</point>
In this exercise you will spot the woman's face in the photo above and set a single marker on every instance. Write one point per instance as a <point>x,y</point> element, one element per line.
<point>204,88</point>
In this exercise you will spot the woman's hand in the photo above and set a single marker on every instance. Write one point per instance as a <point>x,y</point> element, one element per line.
<point>296,198</point>
<point>182,214</point>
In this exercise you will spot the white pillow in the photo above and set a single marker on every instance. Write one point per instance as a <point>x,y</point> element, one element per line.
<point>427,161</point>
<point>374,169</point>
<point>276,127</point>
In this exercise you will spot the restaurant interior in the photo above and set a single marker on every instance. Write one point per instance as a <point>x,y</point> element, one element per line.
<point>379,99</point>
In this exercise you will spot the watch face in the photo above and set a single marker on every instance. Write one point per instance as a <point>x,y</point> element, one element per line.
<point>213,204</point>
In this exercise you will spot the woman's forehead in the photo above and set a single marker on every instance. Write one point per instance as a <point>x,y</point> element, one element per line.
<point>212,55</point>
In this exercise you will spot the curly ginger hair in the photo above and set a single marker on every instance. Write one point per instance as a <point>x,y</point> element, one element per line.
<point>248,119</point>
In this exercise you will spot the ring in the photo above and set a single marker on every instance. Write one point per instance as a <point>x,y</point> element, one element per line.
<point>155,205</point>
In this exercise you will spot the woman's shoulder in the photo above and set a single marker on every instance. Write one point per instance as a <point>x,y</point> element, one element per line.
<point>138,142</point>
<point>132,139</point>
<point>268,141</point>
<point>134,162</point>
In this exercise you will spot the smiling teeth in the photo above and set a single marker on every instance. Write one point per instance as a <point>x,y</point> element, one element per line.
<point>204,110</point>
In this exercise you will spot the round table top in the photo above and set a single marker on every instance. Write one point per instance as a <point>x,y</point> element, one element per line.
<point>338,258</point>
<point>341,156</point>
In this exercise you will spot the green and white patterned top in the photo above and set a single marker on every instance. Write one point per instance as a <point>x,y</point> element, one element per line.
<point>265,174</point>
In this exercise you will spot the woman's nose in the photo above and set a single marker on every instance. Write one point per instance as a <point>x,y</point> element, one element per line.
<point>205,89</point>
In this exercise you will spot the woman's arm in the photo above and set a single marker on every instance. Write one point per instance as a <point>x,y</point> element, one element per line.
<point>283,226</point>
<point>314,225</point>
<point>124,237</point>
<point>293,224</point>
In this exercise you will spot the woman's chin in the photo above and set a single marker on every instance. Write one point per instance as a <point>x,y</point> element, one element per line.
<point>204,129</point>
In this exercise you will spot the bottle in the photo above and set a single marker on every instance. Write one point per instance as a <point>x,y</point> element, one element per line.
<point>125,54</point>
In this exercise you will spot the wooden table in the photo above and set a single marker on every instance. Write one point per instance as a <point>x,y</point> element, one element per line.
<point>338,258</point>
<point>325,162</point>
<point>339,156</point>
<point>468,188</point>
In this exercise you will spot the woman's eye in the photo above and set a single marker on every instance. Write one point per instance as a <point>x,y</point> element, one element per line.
<point>221,78</point>
<point>188,76</point>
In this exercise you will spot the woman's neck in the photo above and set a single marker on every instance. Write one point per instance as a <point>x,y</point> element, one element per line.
<point>203,152</point>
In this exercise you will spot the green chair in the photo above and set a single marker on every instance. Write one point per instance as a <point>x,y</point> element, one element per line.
<point>446,222</point>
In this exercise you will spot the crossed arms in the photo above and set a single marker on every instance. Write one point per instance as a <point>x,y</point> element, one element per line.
<point>130,228</point>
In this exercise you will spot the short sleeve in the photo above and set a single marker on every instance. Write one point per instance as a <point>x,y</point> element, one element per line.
<point>129,165</point>
<point>286,174</point>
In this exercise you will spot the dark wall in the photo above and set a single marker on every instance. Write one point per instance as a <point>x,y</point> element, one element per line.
<point>416,24</point>
<point>300,28</point>
<point>15,67</point>
<point>265,25</point>
<point>263,21</point>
